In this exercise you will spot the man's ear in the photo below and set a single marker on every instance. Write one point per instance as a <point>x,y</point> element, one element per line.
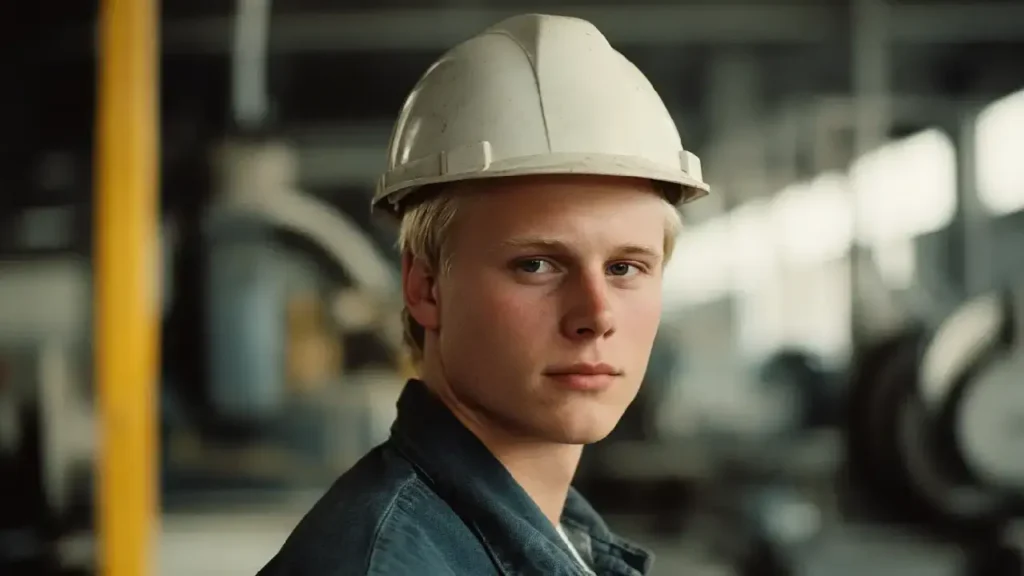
<point>419,291</point>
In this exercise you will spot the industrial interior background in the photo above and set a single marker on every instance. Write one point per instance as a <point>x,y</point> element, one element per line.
<point>832,392</point>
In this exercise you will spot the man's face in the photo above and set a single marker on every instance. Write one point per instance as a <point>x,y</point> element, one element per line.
<point>546,317</point>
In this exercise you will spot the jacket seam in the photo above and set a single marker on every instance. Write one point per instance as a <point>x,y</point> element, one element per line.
<point>384,520</point>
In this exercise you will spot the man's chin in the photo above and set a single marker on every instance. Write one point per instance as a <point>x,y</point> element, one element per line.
<point>583,439</point>
<point>577,425</point>
<point>580,433</point>
<point>585,424</point>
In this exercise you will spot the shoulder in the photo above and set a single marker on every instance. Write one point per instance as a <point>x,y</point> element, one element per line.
<point>414,535</point>
<point>378,518</point>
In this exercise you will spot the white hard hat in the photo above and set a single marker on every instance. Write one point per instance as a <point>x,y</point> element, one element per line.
<point>535,94</point>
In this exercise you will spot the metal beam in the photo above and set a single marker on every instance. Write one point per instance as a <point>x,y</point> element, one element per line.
<point>340,154</point>
<point>339,165</point>
<point>751,22</point>
<point>957,22</point>
<point>440,29</point>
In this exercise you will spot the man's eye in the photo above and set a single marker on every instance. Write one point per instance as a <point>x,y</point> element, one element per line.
<point>534,266</point>
<point>622,269</point>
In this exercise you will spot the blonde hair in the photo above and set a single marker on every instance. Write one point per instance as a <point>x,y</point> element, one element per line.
<point>424,233</point>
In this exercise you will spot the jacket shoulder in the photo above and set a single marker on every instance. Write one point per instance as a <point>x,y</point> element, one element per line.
<point>378,518</point>
<point>410,538</point>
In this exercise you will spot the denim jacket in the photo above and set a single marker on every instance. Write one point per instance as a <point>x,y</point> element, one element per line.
<point>433,501</point>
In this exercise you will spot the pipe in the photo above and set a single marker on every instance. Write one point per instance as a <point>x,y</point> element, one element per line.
<point>249,63</point>
<point>126,259</point>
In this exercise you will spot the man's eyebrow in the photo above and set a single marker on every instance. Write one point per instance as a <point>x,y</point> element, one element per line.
<point>638,250</point>
<point>536,243</point>
<point>552,245</point>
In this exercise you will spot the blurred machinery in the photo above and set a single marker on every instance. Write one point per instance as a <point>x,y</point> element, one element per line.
<point>934,435</point>
<point>933,432</point>
<point>301,355</point>
<point>289,282</point>
<point>48,444</point>
<point>809,388</point>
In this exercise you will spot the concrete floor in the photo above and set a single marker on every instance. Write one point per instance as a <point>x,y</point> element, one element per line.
<point>221,544</point>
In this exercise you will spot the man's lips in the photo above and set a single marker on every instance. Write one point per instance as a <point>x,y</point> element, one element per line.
<point>584,376</point>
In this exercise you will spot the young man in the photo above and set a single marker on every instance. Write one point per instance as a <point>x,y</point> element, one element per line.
<point>535,172</point>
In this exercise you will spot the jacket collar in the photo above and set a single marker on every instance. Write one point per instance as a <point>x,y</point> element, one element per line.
<point>481,491</point>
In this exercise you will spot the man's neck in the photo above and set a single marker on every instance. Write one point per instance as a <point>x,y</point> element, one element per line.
<point>543,469</point>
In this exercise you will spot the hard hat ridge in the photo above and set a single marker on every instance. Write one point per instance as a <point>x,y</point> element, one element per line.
<point>535,94</point>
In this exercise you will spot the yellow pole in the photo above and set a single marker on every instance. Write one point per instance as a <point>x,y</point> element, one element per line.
<point>126,343</point>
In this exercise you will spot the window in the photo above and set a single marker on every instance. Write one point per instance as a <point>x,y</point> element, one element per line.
<point>700,269</point>
<point>802,306</point>
<point>897,263</point>
<point>999,149</point>
<point>906,188</point>
<point>761,318</point>
<point>752,238</point>
<point>733,252</point>
<point>818,308</point>
<point>814,220</point>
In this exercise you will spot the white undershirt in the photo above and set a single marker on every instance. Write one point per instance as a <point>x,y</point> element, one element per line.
<point>575,552</point>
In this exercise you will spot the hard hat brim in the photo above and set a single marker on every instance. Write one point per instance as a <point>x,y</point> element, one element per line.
<point>395,187</point>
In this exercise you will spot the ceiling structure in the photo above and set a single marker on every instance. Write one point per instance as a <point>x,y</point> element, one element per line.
<point>337,72</point>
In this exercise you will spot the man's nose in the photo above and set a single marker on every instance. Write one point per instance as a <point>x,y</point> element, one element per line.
<point>589,314</point>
